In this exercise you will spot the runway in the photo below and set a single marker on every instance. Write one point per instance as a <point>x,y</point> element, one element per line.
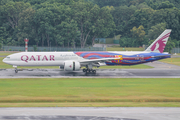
<point>91,113</point>
<point>160,70</point>
<point>108,73</point>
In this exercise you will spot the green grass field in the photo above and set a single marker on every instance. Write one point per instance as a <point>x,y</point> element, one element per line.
<point>174,61</point>
<point>95,92</point>
<point>6,53</point>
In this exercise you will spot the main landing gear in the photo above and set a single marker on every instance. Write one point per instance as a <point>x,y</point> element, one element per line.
<point>89,71</point>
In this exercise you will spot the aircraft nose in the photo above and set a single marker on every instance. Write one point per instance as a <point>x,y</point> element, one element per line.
<point>4,60</point>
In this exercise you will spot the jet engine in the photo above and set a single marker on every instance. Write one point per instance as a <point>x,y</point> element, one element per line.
<point>72,66</point>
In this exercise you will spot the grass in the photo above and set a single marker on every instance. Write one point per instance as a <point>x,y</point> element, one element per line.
<point>89,92</point>
<point>4,65</point>
<point>6,53</point>
<point>174,61</point>
<point>93,104</point>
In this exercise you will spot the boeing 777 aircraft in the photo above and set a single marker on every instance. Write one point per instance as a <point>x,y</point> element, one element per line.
<point>73,61</point>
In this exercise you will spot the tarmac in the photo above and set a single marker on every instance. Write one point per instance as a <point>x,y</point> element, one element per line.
<point>160,70</point>
<point>91,113</point>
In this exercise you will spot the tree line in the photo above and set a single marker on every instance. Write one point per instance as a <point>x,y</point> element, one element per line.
<point>63,23</point>
<point>72,23</point>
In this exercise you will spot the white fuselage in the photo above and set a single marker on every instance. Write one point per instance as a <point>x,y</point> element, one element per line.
<point>47,58</point>
<point>40,58</point>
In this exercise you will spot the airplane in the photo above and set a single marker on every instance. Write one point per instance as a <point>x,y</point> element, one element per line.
<point>74,61</point>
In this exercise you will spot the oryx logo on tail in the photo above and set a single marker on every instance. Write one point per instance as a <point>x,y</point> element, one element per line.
<point>159,44</point>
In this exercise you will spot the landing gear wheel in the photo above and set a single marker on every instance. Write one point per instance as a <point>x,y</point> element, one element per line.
<point>84,70</point>
<point>94,71</point>
<point>87,71</point>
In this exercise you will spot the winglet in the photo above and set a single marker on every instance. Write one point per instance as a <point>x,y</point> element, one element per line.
<point>159,44</point>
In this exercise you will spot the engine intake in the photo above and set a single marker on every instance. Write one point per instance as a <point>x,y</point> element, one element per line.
<point>72,66</point>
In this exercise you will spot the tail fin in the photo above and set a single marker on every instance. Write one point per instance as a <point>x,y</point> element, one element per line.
<point>159,44</point>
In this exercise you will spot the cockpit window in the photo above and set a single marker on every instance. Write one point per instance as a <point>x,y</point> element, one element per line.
<point>8,57</point>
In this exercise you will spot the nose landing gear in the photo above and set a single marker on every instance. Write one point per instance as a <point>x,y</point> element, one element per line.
<point>16,70</point>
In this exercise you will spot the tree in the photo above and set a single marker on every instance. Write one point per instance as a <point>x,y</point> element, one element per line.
<point>45,20</point>
<point>165,4</point>
<point>68,33</point>
<point>169,46</point>
<point>102,24</point>
<point>127,42</point>
<point>155,31</point>
<point>10,16</point>
<point>11,11</point>
<point>142,17</point>
<point>173,22</point>
<point>27,28</point>
<point>3,35</point>
<point>35,2</point>
<point>115,3</point>
<point>152,4</point>
<point>82,14</point>
<point>122,16</point>
<point>56,24</point>
<point>138,34</point>
<point>92,21</point>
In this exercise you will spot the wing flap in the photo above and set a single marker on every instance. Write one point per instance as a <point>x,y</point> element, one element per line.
<point>98,60</point>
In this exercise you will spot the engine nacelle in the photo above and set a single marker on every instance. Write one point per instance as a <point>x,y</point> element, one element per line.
<point>72,66</point>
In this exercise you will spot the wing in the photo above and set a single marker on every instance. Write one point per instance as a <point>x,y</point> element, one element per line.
<point>102,60</point>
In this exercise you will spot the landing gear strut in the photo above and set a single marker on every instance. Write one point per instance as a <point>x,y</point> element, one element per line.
<point>16,70</point>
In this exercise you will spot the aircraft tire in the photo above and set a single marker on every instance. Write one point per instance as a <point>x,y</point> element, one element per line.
<point>87,71</point>
<point>16,71</point>
<point>84,70</point>
<point>94,71</point>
